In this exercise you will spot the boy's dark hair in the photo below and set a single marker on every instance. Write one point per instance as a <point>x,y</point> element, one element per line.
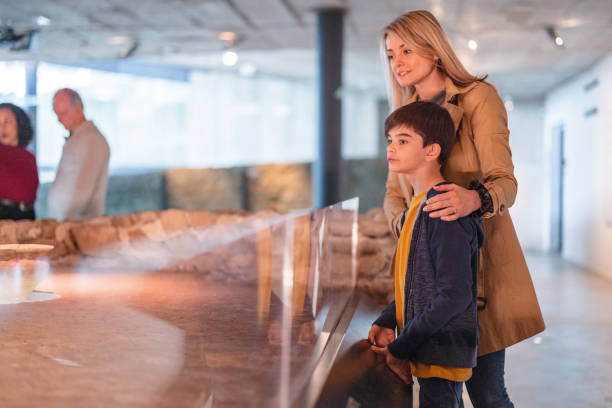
<point>25,132</point>
<point>429,120</point>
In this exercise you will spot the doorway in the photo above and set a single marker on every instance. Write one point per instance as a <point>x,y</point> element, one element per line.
<point>557,190</point>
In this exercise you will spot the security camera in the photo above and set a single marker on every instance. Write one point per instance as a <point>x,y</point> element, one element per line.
<point>16,41</point>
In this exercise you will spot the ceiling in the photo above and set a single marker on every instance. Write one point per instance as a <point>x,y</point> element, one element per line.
<point>278,36</point>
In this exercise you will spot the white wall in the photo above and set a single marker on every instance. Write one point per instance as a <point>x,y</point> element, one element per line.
<point>587,219</point>
<point>526,124</point>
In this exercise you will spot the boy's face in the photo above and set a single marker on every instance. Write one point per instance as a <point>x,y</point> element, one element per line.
<point>405,151</point>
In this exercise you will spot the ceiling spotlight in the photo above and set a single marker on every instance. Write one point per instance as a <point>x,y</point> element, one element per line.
<point>42,21</point>
<point>555,36</point>
<point>229,58</point>
<point>128,52</point>
<point>472,45</point>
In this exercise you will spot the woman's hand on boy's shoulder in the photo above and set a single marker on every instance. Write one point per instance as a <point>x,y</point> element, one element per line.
<point>400,367</point>
<point>452,203</point>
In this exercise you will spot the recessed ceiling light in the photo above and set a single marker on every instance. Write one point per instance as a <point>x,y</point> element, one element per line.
<point>43,21</point>
<point>229,58</point>
<point>519,13</point>
<point>559,41</point>
<point>472,45</point>
<point>571,23</point>
<point>228,37</point>
<point>117,40</point>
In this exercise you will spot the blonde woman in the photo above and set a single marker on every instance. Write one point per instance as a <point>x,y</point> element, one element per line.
<point>421,65</point>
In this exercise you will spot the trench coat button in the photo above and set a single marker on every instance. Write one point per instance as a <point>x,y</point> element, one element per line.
<point>502,208</point>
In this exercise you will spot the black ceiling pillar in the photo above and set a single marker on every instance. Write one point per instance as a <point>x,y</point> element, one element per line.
<point>327,167</point>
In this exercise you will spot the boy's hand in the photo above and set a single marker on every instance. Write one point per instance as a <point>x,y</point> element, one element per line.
<point>381,336</point>
<point>400,367</point>
<point>307,333</point>
<point>455,202</point>
<point>275,333</point>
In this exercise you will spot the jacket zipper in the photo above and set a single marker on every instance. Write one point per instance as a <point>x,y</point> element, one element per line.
<point>410,267</point>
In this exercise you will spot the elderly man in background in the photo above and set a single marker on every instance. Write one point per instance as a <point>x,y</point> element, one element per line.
<point>79,189</point>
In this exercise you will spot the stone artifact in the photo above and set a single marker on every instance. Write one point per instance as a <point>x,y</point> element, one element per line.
<point>195,241</point>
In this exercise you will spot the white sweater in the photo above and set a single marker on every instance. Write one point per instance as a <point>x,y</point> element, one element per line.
<point>79,189</point>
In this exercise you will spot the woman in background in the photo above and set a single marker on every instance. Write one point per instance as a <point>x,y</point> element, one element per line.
<point>420,64</point>
<point>18,170</point>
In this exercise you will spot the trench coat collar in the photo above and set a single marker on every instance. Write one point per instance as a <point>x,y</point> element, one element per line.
<point>452,90</point>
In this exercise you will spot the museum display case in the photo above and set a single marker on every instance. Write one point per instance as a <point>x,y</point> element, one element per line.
<point>251,311</point>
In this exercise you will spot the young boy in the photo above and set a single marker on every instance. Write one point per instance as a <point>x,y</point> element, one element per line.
<point>435,267</point>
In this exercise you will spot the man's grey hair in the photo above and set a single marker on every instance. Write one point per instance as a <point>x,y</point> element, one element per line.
<point>73,97</point>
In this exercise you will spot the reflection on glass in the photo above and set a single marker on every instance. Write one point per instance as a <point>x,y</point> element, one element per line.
<point>235,313</point>
<point>303,290</point>
<point>21,269</point>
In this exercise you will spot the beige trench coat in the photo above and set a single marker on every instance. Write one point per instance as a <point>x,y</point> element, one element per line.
<point>482,152</point>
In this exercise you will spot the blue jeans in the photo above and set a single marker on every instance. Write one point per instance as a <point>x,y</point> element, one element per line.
<point>486,387</point>
<point>439,393</point>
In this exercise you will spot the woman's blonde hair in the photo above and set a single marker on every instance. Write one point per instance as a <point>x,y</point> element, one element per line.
<point>422,33</point>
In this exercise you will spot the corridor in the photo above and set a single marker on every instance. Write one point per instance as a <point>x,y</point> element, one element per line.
<point>568,365</point>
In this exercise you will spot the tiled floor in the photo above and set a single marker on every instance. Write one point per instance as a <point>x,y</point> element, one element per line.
<point>569,364</point>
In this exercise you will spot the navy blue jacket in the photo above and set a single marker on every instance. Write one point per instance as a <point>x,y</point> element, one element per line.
<point>441,324</point>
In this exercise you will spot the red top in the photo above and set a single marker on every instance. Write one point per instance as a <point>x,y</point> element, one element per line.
<point>18,174</point>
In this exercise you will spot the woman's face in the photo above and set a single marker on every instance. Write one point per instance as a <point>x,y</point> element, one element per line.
<point>409,68</point>
<point>8,128</point>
